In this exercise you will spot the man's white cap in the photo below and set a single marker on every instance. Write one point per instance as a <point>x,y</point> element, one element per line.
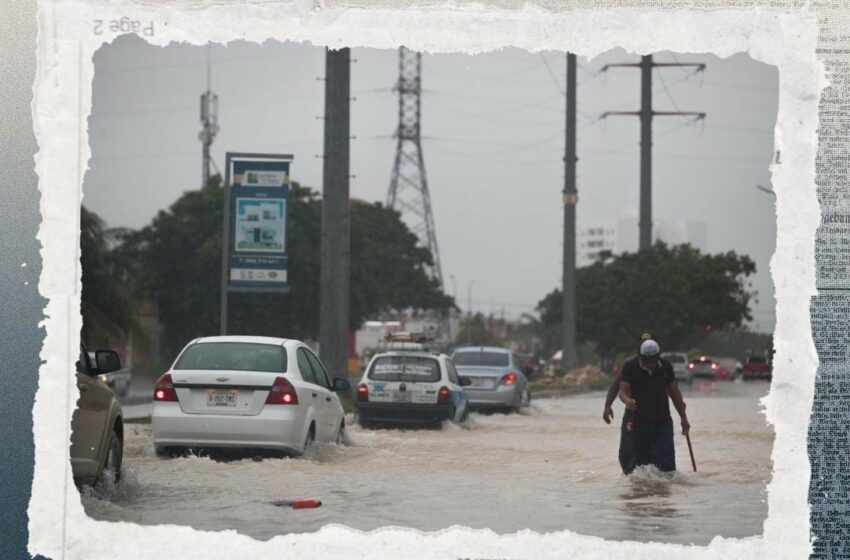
<point>649,349</point>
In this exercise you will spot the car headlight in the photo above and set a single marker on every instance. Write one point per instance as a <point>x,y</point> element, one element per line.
<point>103,378</point>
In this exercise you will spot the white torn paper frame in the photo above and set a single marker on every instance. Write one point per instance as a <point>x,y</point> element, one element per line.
<point>68,38</point>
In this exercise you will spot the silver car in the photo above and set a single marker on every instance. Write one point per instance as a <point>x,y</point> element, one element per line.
<point>679,361</point>
<point>496,378</point>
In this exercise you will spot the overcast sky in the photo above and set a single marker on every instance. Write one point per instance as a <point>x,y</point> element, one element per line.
<point>493,128</point>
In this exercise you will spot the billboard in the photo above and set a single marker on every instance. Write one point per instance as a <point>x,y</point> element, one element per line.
<point>255,222</point>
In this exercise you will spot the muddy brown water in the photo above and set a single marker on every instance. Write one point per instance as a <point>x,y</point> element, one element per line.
<point>552,469</point>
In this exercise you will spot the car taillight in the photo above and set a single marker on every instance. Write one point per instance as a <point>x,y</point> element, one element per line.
<point>362,393</point>
<point>690,366</point>
<point>713,366</point>
<point>282,392</point>
<point>164,389</point>
<point>443,395</point>
<point>509,379</point>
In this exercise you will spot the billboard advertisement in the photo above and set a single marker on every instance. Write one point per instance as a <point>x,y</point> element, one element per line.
<point>255,222</point>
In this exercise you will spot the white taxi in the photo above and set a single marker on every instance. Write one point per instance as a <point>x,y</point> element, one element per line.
<point>407,385</point>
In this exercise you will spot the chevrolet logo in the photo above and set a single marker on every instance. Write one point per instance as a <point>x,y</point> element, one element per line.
<point>222,379</point>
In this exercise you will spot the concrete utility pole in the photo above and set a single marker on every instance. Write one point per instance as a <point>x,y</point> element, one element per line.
<point>646,113</point>
<point>335,259</point>
<point>570,199</point>
<point>209,119</point>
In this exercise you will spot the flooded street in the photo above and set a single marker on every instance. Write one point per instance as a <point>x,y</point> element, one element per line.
<point>552,469</point>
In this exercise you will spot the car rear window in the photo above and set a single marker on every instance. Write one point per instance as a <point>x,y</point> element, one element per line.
<point>405,368</point>
<point>756,360</point>
<point>480,358</point>
<point>705,361</point>
<point>674,358</point>
<point>233,356</point>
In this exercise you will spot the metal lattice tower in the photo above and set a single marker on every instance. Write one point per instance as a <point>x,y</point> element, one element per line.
<point>408,191</point>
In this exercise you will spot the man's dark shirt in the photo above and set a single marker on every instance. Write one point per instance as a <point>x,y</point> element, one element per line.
<point>649,390</point>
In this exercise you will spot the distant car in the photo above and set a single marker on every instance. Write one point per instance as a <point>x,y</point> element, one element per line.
<point>679,361</point>
<point>707,367</point>
<point>407,385</point>
<point>246,392</point>
<point>118,381</point>
<point>757,367</point>
<point>97,424</point>
<point>496,377</point>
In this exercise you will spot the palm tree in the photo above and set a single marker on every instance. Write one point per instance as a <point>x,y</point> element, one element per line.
<point>108,307</point>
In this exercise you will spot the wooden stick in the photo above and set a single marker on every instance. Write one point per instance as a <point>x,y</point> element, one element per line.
<point>691,451</point>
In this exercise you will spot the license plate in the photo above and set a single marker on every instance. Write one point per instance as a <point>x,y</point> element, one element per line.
<point>402,396</point>
<point>221,398</point>
<point>480,382</point>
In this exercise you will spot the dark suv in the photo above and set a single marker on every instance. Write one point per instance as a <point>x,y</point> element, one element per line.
<point>97,425</point>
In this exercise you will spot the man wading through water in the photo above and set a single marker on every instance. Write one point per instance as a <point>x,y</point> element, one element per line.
<point>644,383</point>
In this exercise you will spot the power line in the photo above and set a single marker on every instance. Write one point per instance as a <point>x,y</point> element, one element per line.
<point>149,67</point>
<point>552,74</point>
<point>181,108</point>
<point>488,77</point>
<point>537,104</point>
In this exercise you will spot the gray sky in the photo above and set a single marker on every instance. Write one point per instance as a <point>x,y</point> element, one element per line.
<point>494,138</point>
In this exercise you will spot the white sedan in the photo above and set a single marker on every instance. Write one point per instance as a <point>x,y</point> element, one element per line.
<point>247,392</point>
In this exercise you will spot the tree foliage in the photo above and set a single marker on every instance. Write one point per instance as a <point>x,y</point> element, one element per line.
<point>176,261</point>
<point>677,293</point>
<point>474,332</point>
<point>107,306</point>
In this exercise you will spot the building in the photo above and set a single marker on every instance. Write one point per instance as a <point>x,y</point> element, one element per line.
<point>623,237</point>
<point>593,240</point>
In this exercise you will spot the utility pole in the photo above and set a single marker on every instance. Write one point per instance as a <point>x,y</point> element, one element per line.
<point>646,114</point>
<point>209,120</point>
<point>335,250</point>
<point>570,199</point>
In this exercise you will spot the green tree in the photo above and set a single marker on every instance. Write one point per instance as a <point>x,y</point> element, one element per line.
<point>475,332</point>
<point>107,306</point>
<point>677,293</point>
<point>177,262</point>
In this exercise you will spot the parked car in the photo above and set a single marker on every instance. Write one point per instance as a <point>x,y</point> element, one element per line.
<point>118,381</point>
<point>679,361</point>
<point>97,424</point>
<point>408,385</point>
<point>707,367</point>
<point>247,392</point>
<point>496,377</point>
<point>757,367</point>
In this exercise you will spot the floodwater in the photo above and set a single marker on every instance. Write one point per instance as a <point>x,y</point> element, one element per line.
<point>551,469</point>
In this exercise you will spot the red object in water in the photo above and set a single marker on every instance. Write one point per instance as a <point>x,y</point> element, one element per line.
<point>305,504</point>
<point>299,503</point>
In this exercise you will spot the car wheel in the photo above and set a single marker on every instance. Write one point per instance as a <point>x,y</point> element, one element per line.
<point>112,461</point>
<point>524,401</point>
<point>310,439</point>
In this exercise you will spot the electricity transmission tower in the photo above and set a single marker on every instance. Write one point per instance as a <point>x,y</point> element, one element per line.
<point>646,114</point>
<point>209,120</point>
<point>408,192</point>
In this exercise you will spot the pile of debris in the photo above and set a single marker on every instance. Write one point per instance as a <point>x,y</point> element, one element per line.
<point>578,377</point>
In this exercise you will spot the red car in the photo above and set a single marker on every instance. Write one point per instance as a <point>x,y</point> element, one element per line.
<point>757,367</point>
<point>706,367</point>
